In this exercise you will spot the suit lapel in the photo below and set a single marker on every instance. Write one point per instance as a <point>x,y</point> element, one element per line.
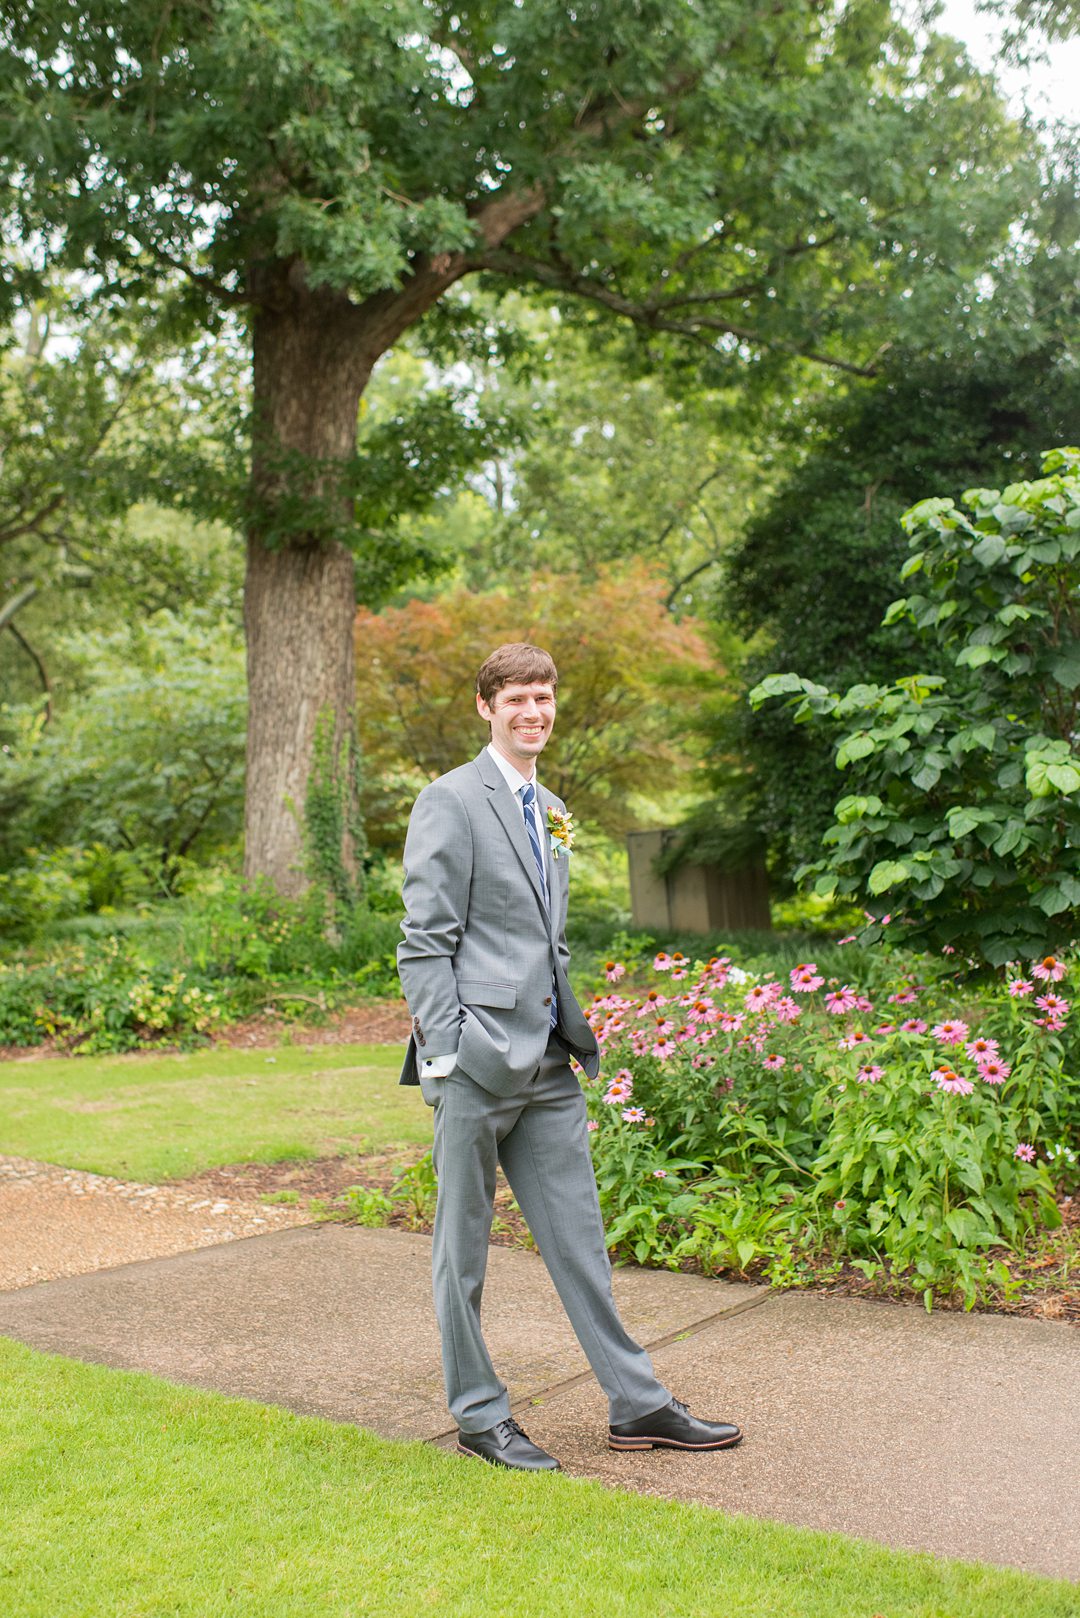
<point>511,818</point>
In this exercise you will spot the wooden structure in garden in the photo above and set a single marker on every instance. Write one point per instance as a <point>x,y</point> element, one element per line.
<point>693,898</point>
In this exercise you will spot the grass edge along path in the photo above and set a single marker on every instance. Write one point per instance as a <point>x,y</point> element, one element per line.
<point>159,1117</point>
<point>130,1497</point>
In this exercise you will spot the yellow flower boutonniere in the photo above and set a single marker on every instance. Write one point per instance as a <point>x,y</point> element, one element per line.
<point>560,831</point>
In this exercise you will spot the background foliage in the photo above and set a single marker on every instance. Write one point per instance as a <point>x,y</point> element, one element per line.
<point>961,818</point>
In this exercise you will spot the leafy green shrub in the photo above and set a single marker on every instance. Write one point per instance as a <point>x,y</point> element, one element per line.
<point>368,1205</point>
<point>103,998</point>
<point>750,1120</point>
<point>229,928</point>
<point>416,1188</point>
<point>218,953</point>
<point>62,885</point>
<point>963,819</point>
<point>149,756</point>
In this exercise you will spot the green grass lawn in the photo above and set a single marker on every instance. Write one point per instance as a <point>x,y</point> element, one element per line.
<point>127,1497</point>
<point>161,1117</point>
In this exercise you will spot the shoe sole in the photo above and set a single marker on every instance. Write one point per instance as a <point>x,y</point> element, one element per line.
<point>671,1443</point>
<point>491,1460</point>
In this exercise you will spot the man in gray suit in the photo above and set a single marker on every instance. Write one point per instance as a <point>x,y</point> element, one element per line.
<point>483,967</point>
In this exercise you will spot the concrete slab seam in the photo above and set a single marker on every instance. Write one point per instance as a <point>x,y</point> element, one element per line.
<point>679,1335</point>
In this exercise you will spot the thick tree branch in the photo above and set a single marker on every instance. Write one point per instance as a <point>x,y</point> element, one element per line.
<point>652,314</point>
<point>386,315</point>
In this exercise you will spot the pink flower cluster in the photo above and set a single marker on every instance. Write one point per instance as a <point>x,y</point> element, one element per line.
<point>658,1026</point>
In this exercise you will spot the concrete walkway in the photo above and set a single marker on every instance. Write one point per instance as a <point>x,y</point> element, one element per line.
<point>955,1434</point>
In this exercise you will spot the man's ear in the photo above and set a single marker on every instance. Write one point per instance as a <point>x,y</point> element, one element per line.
<point>482,709</point>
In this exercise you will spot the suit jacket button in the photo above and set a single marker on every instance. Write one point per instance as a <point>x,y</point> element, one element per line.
<point>547,1001</point>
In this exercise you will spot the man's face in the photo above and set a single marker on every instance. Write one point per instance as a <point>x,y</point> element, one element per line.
<point>521,721</point>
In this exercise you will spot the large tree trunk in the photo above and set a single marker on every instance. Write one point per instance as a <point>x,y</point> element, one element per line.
<point>310,368</point>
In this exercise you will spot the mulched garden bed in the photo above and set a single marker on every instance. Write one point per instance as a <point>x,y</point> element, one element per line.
<point>379,1022</point>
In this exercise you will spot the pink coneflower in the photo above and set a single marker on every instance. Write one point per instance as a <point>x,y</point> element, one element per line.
<point>870,1074</point>
<point>977,1048</point>
<point>786,1010</point>
<point>679,972</point>
<point>856,1037</point>
<point>1051,1025</point>
<point>732,1021</point>
<point>701,1010</point>
<point>903,997</point>
<point>662,962</point>
<point>1019,987</point>
<point>616,1095</point>
<point>885,1028</point>
<point>614,970</point>
<point>760,996</point>
<point>702,1061</point>
<point>805,979</point>
<point>774,1063</point>
<point>1025,1150</point>
<point>841,1000</point>
<point>664,1025</point>
<point>1049,968</point>
<point>1053,1004</point>
<point>947,949</point>
<point>954,1083</point>
<point>992,1070</point>
<point>663,1048</point>
<point>659,1174</point>
<point>633,1115</point>
<point>863,1004</point>
<point>914,1025</point>
<point>624,1076</point>
<point>591,1125</point>
<point>950,1033</point>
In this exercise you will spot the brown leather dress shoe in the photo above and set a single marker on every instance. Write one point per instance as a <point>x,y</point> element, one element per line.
<point>507,1444</point>
<point>673,1427</point>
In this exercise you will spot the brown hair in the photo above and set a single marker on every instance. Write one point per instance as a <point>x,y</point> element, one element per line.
<point>516,663</point>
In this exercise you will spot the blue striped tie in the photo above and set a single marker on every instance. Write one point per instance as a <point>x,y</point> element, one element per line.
<point>528,804</point>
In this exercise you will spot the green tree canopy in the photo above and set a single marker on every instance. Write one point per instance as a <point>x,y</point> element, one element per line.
<point>745,186</point>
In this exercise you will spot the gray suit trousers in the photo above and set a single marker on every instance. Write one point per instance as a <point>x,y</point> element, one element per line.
<point>538,1137</point>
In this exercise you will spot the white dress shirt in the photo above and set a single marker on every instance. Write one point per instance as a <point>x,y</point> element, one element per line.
<point>437,1067</point>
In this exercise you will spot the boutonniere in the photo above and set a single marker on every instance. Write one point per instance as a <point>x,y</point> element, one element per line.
<point>560,831</point>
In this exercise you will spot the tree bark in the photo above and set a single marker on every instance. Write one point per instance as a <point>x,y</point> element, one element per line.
<point>310,369</point>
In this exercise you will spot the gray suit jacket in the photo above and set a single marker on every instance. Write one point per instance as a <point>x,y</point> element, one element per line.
<point>480,950</point>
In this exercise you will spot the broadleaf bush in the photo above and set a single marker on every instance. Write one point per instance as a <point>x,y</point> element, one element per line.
<point>961,824</point>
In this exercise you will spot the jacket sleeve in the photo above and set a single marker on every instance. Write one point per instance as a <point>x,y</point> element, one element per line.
<point>438,874</point>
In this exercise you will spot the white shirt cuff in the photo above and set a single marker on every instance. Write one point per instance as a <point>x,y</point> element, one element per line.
<point>437,1067</point>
